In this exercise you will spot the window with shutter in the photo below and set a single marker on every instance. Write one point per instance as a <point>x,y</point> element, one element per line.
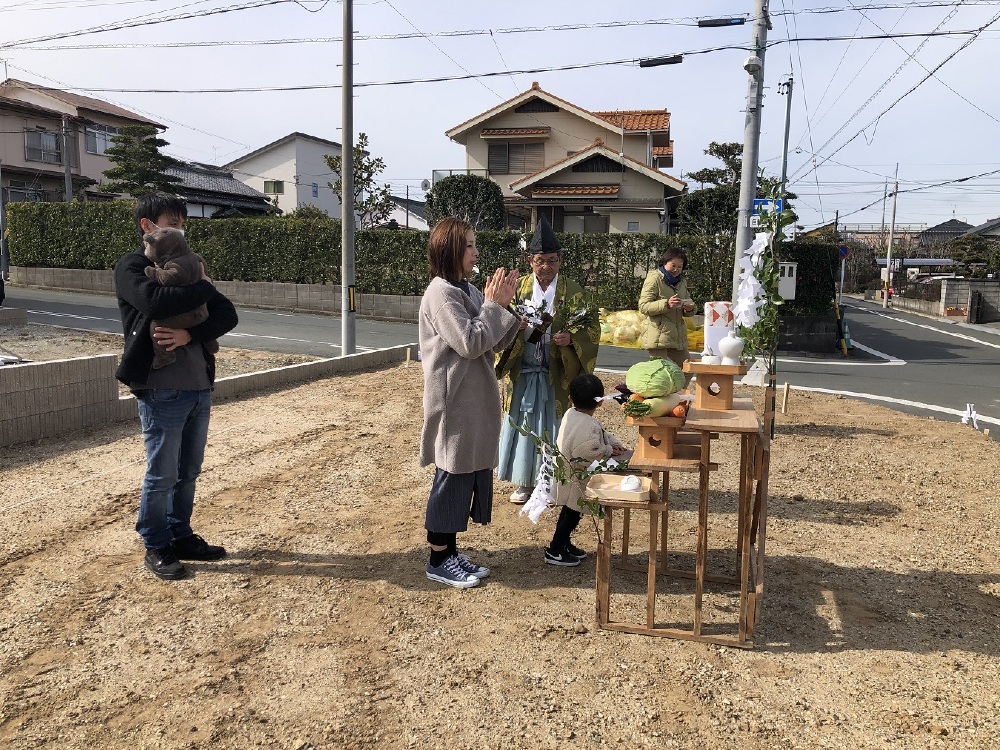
<point>497,161</point>
<point>516,158</point>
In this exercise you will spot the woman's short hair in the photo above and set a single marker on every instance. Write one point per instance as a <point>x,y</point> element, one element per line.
<point>669,255</point>
<point>446,249</point>
<point>584,390</point>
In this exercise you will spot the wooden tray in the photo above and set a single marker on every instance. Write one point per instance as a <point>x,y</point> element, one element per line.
<point>609,487</point>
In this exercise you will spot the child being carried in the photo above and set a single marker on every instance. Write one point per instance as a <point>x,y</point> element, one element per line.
<point>176,265</point>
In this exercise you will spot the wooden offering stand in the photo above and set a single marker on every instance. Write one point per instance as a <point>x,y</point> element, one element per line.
<point>713,388</point>
<point>674,444</point>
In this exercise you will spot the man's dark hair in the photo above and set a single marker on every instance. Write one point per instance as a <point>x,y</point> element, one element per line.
<point>584,391</point>
<point>154,205</point>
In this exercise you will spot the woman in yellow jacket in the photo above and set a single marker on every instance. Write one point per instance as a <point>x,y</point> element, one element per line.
<point>665,302</point>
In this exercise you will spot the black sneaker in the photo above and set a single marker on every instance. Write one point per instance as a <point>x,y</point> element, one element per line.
<point>163,563</point>
<point>578,553</point>
<point>195,548</point>
<point>563,558</point>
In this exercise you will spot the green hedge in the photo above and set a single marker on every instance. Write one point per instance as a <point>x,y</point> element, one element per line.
<point>307,251</point>
<point>819,265</point>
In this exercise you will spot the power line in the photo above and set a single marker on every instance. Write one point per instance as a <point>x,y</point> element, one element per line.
<point>910,58</point>
<point>913,88</point>
<point>493,74</point>
<point>682,21</point>
<point>927,187</point>
<point>145,21</point>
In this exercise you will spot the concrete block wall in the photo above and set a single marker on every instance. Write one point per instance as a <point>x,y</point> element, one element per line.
<point>42,399</point>
<point>48,399</point>
<point>958,293</point>
<point>322,298</point>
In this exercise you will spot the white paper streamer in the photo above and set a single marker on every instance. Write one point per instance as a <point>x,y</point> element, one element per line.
<point>542,496</point>
<point>750,296</point>
<point>970,414</point>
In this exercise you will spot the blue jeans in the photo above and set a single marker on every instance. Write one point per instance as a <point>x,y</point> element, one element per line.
<point>175,431</point>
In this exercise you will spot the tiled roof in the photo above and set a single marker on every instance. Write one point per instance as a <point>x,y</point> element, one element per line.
<point>83,102</point>
<point>984,227</point>
<point>575,190</point>
<point>664,150</point>
<point>415,207</point>
<point>212,179</point>
<point>494,132</point>
<point>638,119</point>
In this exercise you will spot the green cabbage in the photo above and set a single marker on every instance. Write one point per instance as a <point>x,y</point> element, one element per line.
<point>657,377</point>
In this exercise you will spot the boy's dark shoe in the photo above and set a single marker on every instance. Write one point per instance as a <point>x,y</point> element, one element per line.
<point>163,563</point>
<point>195,548</point>
<point>576,551</point>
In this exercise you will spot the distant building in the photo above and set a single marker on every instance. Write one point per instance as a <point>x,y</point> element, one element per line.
<point>942,233</point>
<point>876,236</point>
<point>407,214</point>
<point>34,150</point>
<point>585,171</point>
<point>213,193</point>
<point>292,171</point>
<point>989,229</point>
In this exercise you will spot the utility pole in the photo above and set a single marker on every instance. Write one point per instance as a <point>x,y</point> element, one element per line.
<point>348,307</point>
<point>754,66</point>
<point>4,260</point>
<point>67,161</point>
<point>788,125</point>
<point>843,263</point>
<point>888,251</point>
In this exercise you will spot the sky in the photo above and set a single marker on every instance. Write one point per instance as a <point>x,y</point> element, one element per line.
<point>860,106</point>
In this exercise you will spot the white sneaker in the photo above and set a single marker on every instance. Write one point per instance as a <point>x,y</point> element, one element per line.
<point>521,494</point>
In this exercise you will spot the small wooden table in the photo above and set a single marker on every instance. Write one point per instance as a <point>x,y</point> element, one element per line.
<point>693,453</point>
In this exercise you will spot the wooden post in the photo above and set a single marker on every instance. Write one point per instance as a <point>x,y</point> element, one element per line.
<point>651,572</point>
<point>784,399</point>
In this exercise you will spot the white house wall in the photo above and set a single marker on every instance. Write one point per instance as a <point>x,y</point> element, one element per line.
<point>277,163</point>
<point>298,163</point>
<point>313,169</point>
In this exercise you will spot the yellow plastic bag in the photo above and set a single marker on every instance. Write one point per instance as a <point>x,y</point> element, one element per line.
<point>696,335</point>
<point>623,328</point>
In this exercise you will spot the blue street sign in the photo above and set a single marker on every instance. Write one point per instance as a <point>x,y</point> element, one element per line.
<point>844,252</point>
<point>767,205</point>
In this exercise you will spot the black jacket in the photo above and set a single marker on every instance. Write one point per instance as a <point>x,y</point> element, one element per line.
<point>142,300</point>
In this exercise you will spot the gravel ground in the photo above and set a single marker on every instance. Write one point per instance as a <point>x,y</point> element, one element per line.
<point>880,623</point>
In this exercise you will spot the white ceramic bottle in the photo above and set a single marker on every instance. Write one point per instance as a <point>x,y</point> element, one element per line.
<point>731,347</point>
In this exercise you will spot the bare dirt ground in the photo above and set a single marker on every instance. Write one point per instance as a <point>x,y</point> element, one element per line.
<point>880,623</point>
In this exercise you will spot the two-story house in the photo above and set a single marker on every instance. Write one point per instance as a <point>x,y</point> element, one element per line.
<point>292,171</point>
<point>41,129</point>
<point>585,171</point>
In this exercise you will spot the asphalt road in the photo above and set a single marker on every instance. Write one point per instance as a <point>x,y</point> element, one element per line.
<point>908,362</point>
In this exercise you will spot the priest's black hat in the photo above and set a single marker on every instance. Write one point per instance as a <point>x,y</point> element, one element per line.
<point>544,240</point>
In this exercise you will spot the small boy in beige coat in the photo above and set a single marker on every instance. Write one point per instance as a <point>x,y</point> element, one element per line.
<point>582,440</point>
